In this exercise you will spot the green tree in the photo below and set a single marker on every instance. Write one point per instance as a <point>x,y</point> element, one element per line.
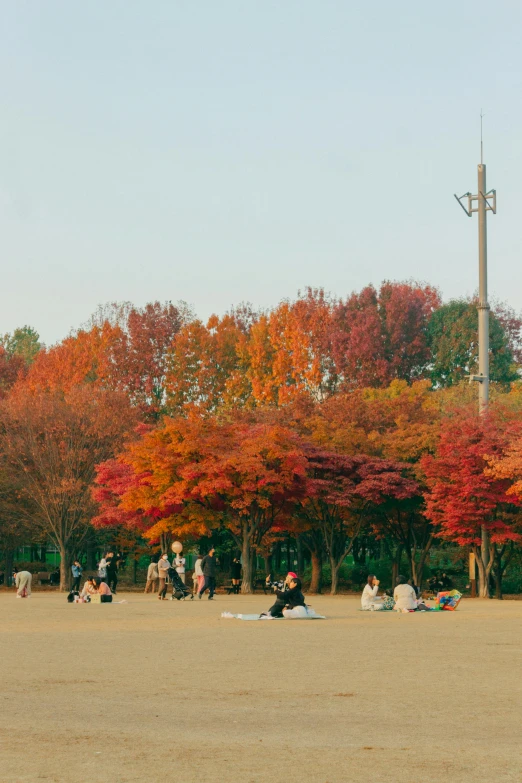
<point>24,342</point>
<point>453,337</point>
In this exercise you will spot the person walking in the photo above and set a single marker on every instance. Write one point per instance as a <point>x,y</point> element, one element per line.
<point>152,577</point>
<point>77,571</point>
<point>198,573</point>
<point>112,572</point>
<point>209,568</point>
<point>23,581</point>
<point>163,571</point>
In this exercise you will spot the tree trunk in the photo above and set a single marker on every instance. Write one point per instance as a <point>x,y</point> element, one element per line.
<point>247,562</point>
<point>277,558</point>
<point>396,565</point>
<point>300,559</point>
<point>91,553</point>
<point>484,562</point>
<point>165,540</point>
<point>65,568</point>
<point>9,557</point>
<point>135,569</point>
<point>335,576</point>
<point>317,572</point>
<point>498,584</point>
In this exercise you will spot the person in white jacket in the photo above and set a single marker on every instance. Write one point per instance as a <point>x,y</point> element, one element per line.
<point>370,601</point>
<point>404,596</point>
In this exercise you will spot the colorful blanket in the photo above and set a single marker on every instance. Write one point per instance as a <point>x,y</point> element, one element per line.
<point>448,600</point>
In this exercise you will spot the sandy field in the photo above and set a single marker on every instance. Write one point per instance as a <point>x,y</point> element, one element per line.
<point>168,691</point>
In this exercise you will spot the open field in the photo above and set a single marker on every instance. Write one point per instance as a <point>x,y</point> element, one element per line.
<point>151,690</point>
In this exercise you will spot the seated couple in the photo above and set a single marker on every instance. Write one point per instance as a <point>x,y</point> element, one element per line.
<point>290,602</point>
<point>95,586</point>
<point>406,597</point>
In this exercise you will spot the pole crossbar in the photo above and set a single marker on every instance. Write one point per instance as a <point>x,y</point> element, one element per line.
<point>486,202</point>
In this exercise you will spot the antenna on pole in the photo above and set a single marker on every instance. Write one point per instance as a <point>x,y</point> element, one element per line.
<point>481,144</point>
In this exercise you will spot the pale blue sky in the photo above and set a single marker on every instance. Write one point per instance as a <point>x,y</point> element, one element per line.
<point>220,151</point>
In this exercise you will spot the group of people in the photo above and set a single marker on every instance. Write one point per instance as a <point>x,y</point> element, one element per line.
<point>162,572</point>
<point>94,585</point>
<point>406,596</point>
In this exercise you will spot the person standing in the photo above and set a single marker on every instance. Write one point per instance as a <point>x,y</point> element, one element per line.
<point>209,568</point>
<point>152,577</point>
<point>112,572</point>
<point>76,574</point>
<point>235,574</point>
<point>198,573</point>
<point>23,581</point>
<point>163,572</point>
<point>179,565</point>
<point>102,568</point>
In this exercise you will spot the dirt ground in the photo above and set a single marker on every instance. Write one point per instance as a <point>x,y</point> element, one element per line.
<point>150,690</point>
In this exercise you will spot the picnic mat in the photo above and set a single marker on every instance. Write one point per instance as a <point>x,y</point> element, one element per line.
<point>230,616</point>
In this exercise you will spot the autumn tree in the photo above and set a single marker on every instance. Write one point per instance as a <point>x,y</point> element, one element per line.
<point>50,444</point>
<point>469,504</point>
<point>290,350</point>
<point>207,366</point>
<point>379,336</point>
<point>201,471</point>
<point>122,349</point>
<point>342,492</point>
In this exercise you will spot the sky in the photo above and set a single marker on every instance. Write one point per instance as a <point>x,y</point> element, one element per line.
<point>227,151</point>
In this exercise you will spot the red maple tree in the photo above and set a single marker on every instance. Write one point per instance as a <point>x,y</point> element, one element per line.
<point>469,504</point>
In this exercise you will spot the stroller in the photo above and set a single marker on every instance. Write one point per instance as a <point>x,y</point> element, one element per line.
<point>179,589</point>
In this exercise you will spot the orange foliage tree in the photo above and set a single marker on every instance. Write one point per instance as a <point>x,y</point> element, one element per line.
<point>207,367</point>
<point>198,473</point>
<point>123,349</point>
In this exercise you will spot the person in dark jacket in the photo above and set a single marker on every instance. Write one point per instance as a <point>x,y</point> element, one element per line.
<point>235,574</point>
<point>209,567</point>
<point>112,571</point>
<point>276,610</point>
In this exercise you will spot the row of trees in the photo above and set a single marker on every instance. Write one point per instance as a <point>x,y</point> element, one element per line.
<point>335,422</point>
<point>167,361</point>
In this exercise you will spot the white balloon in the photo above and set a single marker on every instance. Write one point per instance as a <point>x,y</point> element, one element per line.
<point>177,547</point>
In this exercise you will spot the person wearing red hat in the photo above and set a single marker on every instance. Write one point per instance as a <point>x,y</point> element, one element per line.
<point>276,610</point>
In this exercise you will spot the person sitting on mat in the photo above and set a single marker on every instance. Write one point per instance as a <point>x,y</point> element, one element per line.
<point>289,598</point>
<point>370,601</point>
<point>89,588</point>
<point>404,596</point>
<point>295,606</point>
<point>276,610</point>
<point>104,591</point>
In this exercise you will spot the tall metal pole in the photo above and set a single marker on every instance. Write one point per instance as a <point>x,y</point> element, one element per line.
<point>483,306</point>
<point>484,202</point>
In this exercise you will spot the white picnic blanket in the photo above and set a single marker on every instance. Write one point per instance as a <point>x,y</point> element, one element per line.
<point>310,616</point>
